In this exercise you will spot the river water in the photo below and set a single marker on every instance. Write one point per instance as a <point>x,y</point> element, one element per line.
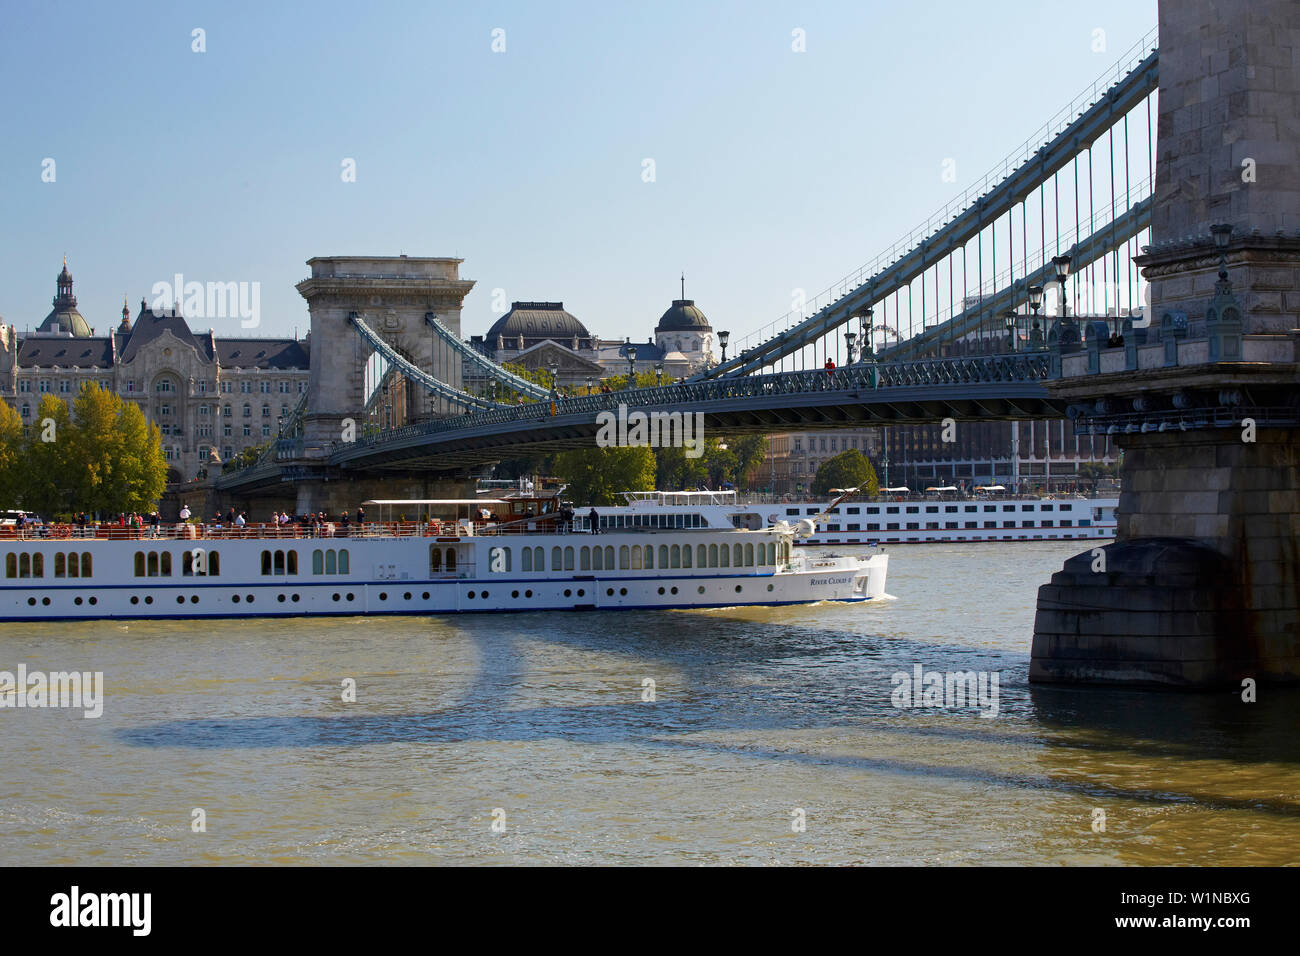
<point>772,738</point>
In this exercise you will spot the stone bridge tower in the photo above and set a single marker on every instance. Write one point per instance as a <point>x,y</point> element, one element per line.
<point>393,294</point>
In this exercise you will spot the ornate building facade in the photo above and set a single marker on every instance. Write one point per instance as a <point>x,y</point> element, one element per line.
<point>211,397</point>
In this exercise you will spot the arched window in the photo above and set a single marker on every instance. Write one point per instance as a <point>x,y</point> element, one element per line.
<point>663,556</point>
<point>713,555</point>
<point>153,564</point>
<point>609,557</point>
<point>701,557</point>
<point>292,560</point>
<point>598,558</point>
<point>539,559</point>
<point>584,559</point>
<point>139,564</point>
<point>318,561</point>
<point>60,565</point>
<point>343,561</point>
<point>331,562</point>
<point>526,561</point>
<point>279,562</point>
<point>636,557</point>
<point>568,559</point>
<point>266,562</point>
<point>74,565</point>
<point>724,557</point>
<point>737,556</point>
<point>165,564</point>
<point>557,559</point>
<point>24,565</point>
<point>451,559</point>
<point>214,564</point>
<point>435,559</point>
<point>676,556</point>
<point>749,555</point>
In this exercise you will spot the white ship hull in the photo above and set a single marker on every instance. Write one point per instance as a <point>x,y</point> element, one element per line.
<point>297,576</point>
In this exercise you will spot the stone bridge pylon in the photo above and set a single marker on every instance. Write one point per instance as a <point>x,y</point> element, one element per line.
<point>394,295</point>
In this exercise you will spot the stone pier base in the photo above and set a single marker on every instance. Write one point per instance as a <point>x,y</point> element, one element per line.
<point>1202,587</point>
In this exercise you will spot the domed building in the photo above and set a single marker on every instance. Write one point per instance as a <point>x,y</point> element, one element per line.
<point>682,345</point>
<point>538,335</point>
<point>64,319</point>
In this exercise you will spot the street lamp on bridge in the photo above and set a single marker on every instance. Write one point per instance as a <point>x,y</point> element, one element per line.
<point>722,340</point>
<point>1062,264</point>
<point>631,366</point>
<point>1010,316</point>
<point>850,338</point>
<point>1035,303</point>
<point>659,373</point>
<point>555,378</point>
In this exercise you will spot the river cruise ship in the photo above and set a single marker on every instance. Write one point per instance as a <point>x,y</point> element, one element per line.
<point>506,554</point>
<point>898,518</point>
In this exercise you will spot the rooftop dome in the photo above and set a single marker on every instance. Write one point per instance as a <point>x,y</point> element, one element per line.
<point>683,317</point>
<point>537,320</point>
<point>64,318</point>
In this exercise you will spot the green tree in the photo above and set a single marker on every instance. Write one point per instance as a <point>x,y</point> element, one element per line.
<point>49,458</point>
<point>140,471</point>
<point>12,451</point>
<point>850,469</point>
<point>595,476</point>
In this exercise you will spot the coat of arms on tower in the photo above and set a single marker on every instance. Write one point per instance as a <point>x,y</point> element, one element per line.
<point>392,323</point>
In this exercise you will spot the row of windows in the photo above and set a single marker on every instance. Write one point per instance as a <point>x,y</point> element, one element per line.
<point>69,564</point>
<point>653,521</point>
<point>194,562</point>
<point>934,509</point>
<point>631,558</point>
<point>167,387</point>
<point>953,525</point>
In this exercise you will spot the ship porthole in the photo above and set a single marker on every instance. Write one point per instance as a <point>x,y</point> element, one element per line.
<point>514,594</point>
<point>674,591</point>
<point>180,599</point>
<point>148,599</point>
<point>32,602</point>
<point>77,602</point>
<point>194,599</point>
<point>234,599</point>
<point>405,597</point>
<point>249,599</point>
<point>622,592</point>
<point>135,599</point>
<point>738,588</point>
<point>769,587</point>
<point>609,592</point>
<point>471,594</point>
<point>337,596</point>
<point>528,594</point>
<point>94,600</point>
<point>568,592</point>
<point>701,588</point>
<point>424,596</point>
<point>350,597</point>
<point>383,595</point>
<point>581,592</point>
<point>280,598</point>
<point>295,599</point>
<point>45,601</point>
<point>661,590</point>
<point>485,594</point>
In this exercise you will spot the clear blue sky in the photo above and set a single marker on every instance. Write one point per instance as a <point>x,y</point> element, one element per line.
<point>774,169</point>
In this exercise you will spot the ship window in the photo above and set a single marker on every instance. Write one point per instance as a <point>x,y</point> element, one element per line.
<point>1067,523</point>
<point>139,564</point>
<point>435,559</point>
<point>713,555</point>
<point>526,561</point>
<point>749,555</point>
<point>598,559</point>
<point>292,560</point>
<point>153,564</point>
<point>318,561</point>
<point>663,557</point>
<point>165,564</point>
<point>279,562</point>
<point>11,565</point>
<point>724,557</point>
<point>702,556</point>
<point>609,557</point>
<point>737,556</point>
<point>771,553</point>
<point>568,559</point>
<point>686,555</point>
<point>74,565</point>
<point>331,562</point>
<point>622,557</point>
<point>24,565</point>
<point>557,559</point>
<point>584,559</point>
<point>60,565</point>
<point>1067,507</point>
<point>930,510</point>
<point>636,557</point>
<point>266,562</point>
<point>345,569</point>
<point>990,524</point>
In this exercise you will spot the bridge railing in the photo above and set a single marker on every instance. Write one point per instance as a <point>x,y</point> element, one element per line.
<point>683,397</point>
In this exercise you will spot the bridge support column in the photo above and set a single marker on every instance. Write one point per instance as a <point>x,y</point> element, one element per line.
<point>1202,587</point>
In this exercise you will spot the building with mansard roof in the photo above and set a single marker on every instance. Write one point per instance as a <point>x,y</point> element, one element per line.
<point>211,397</point>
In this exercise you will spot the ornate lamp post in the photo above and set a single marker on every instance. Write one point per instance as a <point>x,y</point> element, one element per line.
<point>723,337</point>
<point>631,366</point>
<point>1062,264</point>
<point>555,378</point>
<point>850,338</point>
<point>588,384</point>
<point>1010,316</point>
<point>659,373</point>
<point>1035,303</point>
